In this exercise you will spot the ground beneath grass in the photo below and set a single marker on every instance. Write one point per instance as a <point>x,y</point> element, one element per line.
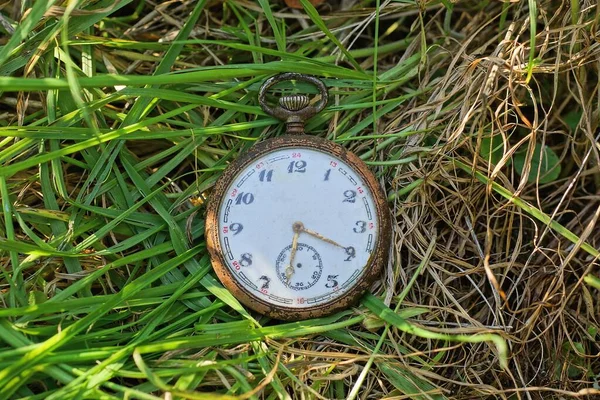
<point>479,119</point>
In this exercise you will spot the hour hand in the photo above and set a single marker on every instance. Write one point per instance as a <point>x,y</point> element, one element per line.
<point>289,271</point>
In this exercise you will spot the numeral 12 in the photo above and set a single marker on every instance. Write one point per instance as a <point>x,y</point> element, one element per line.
<point>297,166</point>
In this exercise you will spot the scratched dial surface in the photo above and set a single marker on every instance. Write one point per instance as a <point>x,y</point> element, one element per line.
<point>322,193</point>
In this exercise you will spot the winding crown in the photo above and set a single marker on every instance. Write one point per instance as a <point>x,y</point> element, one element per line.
<point>294,102</point>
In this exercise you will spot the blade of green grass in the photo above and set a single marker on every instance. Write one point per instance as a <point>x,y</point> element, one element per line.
<point>537,214</point>
<point>529,209</point>
<point>16,295</point>
<point>422,385</point>
<point>277,33</point>
<point>116,134</point>
<point>13,377</point>
<point>289,330</point>
<point>155,317</point>
<point>226,72</point>
<point>318,21</point>
<point>376,306</point>
<point>34,16</point>
<point>532,33</point>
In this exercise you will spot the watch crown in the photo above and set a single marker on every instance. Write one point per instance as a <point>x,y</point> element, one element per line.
<point>294,102</point>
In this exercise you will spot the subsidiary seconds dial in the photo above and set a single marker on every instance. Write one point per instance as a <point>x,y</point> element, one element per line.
<point>299,269</point>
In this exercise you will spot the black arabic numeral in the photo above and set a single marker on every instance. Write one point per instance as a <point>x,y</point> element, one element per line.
<point>331,282</point>
<point>246,260</point>
<point>265,175</point>
<point>361,226</point>
<point>351,252</point>
<point>297,166</point>
<point>236,228</point>
<point>327,174</point>
<point>246,198</point>
<point>266,282</point>
<point>350,196</point>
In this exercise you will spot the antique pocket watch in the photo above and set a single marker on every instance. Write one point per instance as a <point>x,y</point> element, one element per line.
<point>297,227</point>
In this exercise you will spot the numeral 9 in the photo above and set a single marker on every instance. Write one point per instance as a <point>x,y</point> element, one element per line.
<point>236,228</point>
<point>351,252</point>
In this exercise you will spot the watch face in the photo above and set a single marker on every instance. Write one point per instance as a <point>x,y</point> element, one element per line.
<point>297,228</point>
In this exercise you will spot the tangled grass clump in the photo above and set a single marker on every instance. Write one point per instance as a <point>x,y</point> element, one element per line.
<point>479,118</point>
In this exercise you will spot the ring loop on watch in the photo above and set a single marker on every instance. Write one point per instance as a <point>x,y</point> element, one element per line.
<point>286,114</point>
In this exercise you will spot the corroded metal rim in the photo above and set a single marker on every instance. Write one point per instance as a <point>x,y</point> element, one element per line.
<point>375,264</point>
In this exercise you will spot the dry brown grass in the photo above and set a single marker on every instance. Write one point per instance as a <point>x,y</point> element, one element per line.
<point>548,311</point>
<point>494,266</point>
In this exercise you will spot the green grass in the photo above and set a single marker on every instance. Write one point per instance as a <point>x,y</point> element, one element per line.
<point>117,117</point>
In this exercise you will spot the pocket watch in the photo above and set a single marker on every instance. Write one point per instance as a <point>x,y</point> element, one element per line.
<point>298,226</point>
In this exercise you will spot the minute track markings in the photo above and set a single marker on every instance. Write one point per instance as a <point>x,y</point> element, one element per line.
<point>245,178</point>
<point>366,203</point>
<point>274,159</point>
<point>227,248</point>
<point>227,210</point>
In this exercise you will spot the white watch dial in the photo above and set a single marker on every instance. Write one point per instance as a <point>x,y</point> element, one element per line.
<point>297,227</point>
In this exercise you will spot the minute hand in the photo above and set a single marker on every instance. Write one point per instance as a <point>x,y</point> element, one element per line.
<point>323,238</point>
